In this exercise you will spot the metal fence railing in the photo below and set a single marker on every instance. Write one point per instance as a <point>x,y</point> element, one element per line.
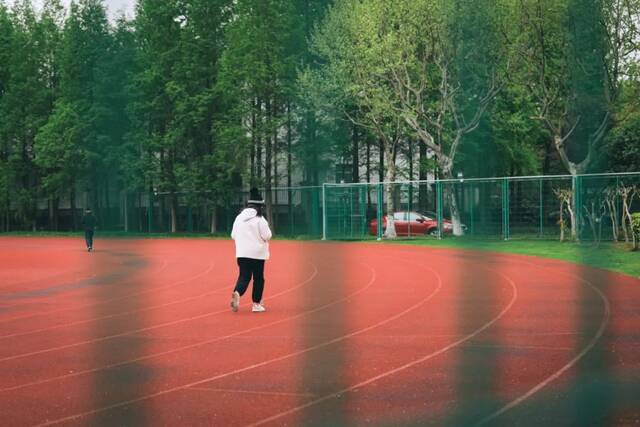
<point>295,212</point>
<point>504,208</point>
<point>585,207</point>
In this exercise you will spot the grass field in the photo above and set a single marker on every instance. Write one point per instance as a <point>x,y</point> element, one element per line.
<point>609,256</point>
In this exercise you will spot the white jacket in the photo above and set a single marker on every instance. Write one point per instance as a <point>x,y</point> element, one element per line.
<point>251,234</point>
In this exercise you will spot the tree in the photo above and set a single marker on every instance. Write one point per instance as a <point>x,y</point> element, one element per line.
<point>158,28</point>
<point>87,87</point>
<point>206,173</point>
<point>412,71</point>
<point>6,42</point>
<point>574,58</point>
<point>257,71</point>
<point>59,150</point>
<point>26,105</point>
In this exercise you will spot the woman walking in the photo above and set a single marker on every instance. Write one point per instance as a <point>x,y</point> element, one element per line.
<point>251,234</point>
<point>89,224</point>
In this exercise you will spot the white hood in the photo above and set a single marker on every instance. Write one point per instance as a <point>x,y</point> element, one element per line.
<point>251,234</point>
<point>247,214</point>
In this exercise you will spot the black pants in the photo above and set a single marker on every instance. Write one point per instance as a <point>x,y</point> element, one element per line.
<point>251,267</point>
<point>88,237</point>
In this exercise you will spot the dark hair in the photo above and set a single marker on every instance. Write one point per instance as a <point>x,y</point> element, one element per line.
<point>258,208</point>
<point>256,201</point>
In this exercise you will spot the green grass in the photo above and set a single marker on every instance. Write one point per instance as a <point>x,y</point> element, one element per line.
<point>610,256</point>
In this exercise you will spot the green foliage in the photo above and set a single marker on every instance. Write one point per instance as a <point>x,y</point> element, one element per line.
<point>623,142</point>
<point>59,150</point>
<point>200,97</point>
<point>635,224</point>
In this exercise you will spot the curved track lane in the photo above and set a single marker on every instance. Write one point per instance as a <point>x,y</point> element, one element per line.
<point>355,334</point>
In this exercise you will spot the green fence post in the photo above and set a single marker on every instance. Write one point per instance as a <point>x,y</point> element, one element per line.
<point>351,212</point>
<point>577,186</point>
<point>379,213</point>
<point>541,209</point>
<point>439,207</point>
<point>505,209</point>
<point>314,211</point>
<point>150,212</point>
<point>324,210</point>
<point>363,211</point>
<point>290,205</point>
<point>343,213</point>
<point>472,201</point>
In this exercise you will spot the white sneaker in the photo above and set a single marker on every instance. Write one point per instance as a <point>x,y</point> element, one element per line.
<point>258,308</point>
<point>235,301</point>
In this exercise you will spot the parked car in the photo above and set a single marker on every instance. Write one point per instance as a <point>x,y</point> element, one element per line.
<point>414,224</point>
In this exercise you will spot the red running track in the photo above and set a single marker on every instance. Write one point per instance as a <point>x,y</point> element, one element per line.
<point>139,333</point>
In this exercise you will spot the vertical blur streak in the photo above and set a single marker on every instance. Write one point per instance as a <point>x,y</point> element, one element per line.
<point>323,370</point>
<point>478,302</point>
<point>593,391</point>
<point>125,382</point>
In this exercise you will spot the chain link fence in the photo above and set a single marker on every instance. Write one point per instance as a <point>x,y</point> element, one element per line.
<point>584,207</point>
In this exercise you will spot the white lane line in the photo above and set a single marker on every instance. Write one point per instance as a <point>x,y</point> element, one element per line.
<point>107,337</point>
<point>603,324</point>
<point>266,393</point>
<point>111,316</point>
<point>518,347</point>
<point>225,374</point>
<point>62,310</point>
<point>174,350</point>
<point>400,368</point>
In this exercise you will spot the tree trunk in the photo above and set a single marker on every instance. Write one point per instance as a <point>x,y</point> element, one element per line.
<point>140,213</point>
<point>254,143</point>
<point>355,158</point>
<point>267,167</point>
<point>214,219</point>
<point>289,149</point>
<point>627,219</point>
<point>106,204</point>
<point>390,176</point>
<point>572,218</point>
<point>423,195</point>
<point>52,225</point>
<point>634,237</point>
<point>623,219</point>
<point>72,201</point>
<point>455,213</point>
<point>126,211</point>
<point>613,215</point>
<point>445,168</point>
<point>174,212</point>
<point>289,169</point>
<point>411,207</point>
<point>561,220</point>
<point>7,212</point>
<point>259,141</point>
<point>161,213</point>
<point>274,208</point>
<point>381,161</point>
<point>623,225</point>
<point>368,142</point>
